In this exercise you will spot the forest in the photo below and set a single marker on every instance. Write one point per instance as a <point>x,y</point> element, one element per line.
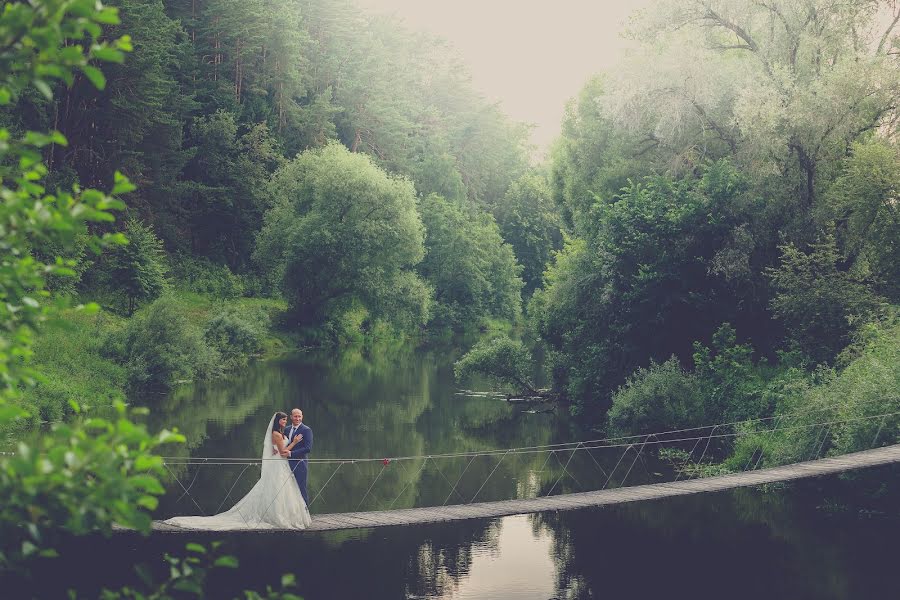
<point>190,185</point>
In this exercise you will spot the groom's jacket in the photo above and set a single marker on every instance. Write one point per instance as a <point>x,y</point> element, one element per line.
<point>305,445</point>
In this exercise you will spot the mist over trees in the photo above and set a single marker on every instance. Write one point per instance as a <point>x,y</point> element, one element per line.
<point>724,174</point>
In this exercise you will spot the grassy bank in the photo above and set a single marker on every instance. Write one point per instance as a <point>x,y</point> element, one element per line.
<point>94,359</point>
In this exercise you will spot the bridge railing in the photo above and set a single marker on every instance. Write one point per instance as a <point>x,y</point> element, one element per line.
<point>385,483</point>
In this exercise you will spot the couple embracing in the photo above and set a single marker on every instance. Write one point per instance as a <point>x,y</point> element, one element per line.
<point>279,499</point>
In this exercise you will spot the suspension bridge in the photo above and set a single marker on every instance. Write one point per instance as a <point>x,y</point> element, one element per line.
<point>534,488</point>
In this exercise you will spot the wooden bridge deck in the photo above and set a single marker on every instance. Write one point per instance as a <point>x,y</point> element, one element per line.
<point>481,510</point>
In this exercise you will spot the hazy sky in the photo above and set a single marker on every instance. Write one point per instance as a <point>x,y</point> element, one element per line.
<point>530,56</point>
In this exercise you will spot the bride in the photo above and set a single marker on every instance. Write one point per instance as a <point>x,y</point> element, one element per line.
<point>273,503</point>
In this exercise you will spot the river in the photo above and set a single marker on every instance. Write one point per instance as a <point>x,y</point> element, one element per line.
<point>792,542</point>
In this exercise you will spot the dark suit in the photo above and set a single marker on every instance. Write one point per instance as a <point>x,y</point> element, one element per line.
<point>298,463</point>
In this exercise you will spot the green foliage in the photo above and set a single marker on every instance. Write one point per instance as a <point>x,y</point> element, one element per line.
<point>594,158</point>
<point>728,382</point>
<point>161,346</point>
<point>139,268</point>
<point>869,385</point>
<point>862,202</point>
<point>39,45</point>
<point>68,356</point>
<point>643,285</point>
<point>474,273</point>
<point>202,276</point>
<point>529,223</point>
<point>93,474</point>
<point>834,410</point>
<point>30,216</point>
<point>236,335</point>
<point>72,482</point>
<point>661,397</point>
<point>819,303</point>
<point>341,231</point>
<point>188,577</point>
<point>504,360</point>
<point>229,171</point>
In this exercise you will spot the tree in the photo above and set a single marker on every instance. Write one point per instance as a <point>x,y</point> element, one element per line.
<point>473,271</point>
<point>223,196</point>
<point>140,267</point>
<point>340,230</point>
<point>50,488</point>
<point>529,223</point>
<point>99,473</point>
<point>863,203</point>
<point>783,87</point>
<point>819,303</point>
<point>43,45</point>
<point>645,285</point>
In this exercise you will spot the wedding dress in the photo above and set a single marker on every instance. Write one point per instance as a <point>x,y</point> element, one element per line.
<point>273,503</point>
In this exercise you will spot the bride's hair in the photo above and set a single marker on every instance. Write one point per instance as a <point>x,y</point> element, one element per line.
<point>278,416</point>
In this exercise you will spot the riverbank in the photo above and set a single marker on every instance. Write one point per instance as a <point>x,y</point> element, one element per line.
<point>84,357</point>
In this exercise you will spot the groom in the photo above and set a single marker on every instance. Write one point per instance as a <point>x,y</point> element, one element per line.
<point>297,456</point>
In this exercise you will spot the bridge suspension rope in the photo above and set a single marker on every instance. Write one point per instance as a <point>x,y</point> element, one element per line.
<point>636,444</point>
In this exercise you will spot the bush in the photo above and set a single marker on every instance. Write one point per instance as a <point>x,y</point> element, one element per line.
<point>160,346</point>
<point>659,398</point>
<point>729,383</point>
<point>506,361</point>
<point>236,335</point>
<point>867,387</point>
<point>193,274</point>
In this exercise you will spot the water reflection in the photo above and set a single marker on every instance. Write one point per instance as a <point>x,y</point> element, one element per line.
<point>360,406</point>
<point>740,544</point>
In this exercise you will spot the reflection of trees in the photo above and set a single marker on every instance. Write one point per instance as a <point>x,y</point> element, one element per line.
<point>773,543</point>
<point>377,403</point>
<point>219,419</point>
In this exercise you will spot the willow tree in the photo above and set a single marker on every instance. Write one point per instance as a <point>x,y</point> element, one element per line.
<point>783,86</point>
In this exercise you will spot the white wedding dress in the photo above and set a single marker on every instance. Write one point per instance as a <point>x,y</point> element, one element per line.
<point>273,503</point>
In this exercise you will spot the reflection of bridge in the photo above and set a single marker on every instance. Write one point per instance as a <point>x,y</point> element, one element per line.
<point>759,431</point>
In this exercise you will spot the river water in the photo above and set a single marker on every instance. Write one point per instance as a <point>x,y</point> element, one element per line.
<point>392,403</point>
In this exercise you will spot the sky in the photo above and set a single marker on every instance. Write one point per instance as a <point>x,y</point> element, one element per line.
<point>531,56</point>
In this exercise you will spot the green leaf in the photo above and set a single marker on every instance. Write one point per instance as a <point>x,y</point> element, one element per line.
<point>43,88</point>
<point>121,184</point>
<point>95,75</point>
<point>58,138</point>
<point>108,55</point>
<point>228,562</point>
<point>148,502</point>
<point>8,412</point>
<point>107,16</point>
<point>148,483</point>
<point>194,547</point>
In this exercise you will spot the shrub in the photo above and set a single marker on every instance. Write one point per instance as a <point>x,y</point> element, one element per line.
<point>505,360</point>
<point>160,347</point>
<point>236,335</point>
<point>729,383</point>
<point>203,276</point>
<point>658,398</point>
